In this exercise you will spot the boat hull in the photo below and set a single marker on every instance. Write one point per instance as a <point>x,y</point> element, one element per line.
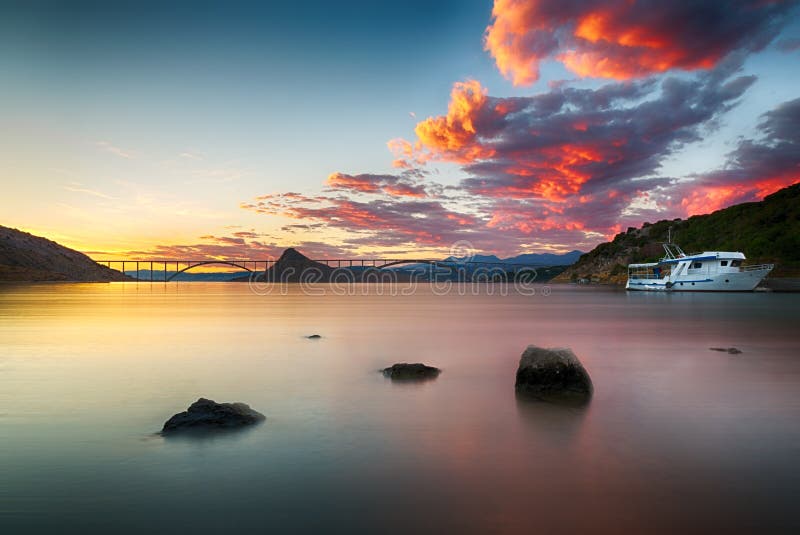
<point>742,281</point>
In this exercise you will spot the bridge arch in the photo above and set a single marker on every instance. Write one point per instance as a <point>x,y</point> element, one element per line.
<point>206,263</point>
<point>435,263</point>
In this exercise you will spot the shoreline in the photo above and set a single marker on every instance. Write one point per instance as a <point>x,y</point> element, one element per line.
<point>773,285</point>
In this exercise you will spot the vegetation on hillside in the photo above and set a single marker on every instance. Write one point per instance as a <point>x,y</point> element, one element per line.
<point>766,231</point>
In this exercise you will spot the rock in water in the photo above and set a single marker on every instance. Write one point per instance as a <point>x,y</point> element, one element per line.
<point>206,414</point>
<point>731,350</point>
<point>411,372</point>
<point>552,375</point>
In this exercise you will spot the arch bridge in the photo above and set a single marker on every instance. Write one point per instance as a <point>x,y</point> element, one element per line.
<point>166,270</point>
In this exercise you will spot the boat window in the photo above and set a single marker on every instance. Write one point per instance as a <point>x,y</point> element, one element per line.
<point>736,263</point>
<point>697,265</point>
<point>723,263</point>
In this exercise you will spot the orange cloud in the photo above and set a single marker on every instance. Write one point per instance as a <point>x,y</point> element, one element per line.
<point>706,199</point>
<point>625,39</point>
<point>340,180</point>
<point>453,136</point>
<point>644,48</point>
<point>406,154</point>
<point>538,218</point>
<point>553,173</point>
<point>505,39</point>
<point>371,183</point>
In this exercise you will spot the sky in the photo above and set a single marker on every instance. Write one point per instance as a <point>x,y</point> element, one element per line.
<point>365,129</point>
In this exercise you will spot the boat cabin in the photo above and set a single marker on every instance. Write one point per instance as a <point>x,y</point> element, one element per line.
<point>706,263</point>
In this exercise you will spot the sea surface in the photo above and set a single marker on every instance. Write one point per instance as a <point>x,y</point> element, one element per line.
<point>677,438</point>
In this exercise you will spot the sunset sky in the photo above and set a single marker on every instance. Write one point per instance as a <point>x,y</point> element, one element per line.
<point>357,129</point>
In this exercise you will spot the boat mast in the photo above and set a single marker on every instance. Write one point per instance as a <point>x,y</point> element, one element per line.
<point>669,255</point>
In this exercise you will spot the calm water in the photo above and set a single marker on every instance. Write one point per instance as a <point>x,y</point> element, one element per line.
<point>676,439</point>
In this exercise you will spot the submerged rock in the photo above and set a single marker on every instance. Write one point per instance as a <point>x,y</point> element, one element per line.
<point>206,414</point>
<point>553,374</point>
<point>314,336</point>
<point>411,372</point>
<point>731,350</point>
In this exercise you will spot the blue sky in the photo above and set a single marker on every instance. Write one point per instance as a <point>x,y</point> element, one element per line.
<point>134,126</point>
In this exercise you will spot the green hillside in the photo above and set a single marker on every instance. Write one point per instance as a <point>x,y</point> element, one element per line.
<point>766,231</point>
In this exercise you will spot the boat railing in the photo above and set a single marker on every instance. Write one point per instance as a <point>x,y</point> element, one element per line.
<point>758,267</point>
<point>681,256</point>
<point>637,276</point>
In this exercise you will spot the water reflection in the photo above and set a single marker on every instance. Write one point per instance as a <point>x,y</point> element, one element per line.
<point>209,435</point>
<point>676,438</point>
<point>559,422</point>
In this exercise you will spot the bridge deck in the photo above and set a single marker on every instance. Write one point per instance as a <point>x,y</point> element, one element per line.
<point>253,265</point>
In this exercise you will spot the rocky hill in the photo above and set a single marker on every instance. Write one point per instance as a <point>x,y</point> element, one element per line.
<point>765,231</point>
<point>25,257</point>
<point>291,267</point>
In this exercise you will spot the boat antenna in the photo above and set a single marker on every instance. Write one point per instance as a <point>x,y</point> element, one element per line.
<point>669,235</point>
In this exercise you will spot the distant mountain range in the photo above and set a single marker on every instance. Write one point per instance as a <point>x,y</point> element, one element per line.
<point>532,259</point>
<point>187,276</point>
<point>766,232</point>
<point>293,266</point>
